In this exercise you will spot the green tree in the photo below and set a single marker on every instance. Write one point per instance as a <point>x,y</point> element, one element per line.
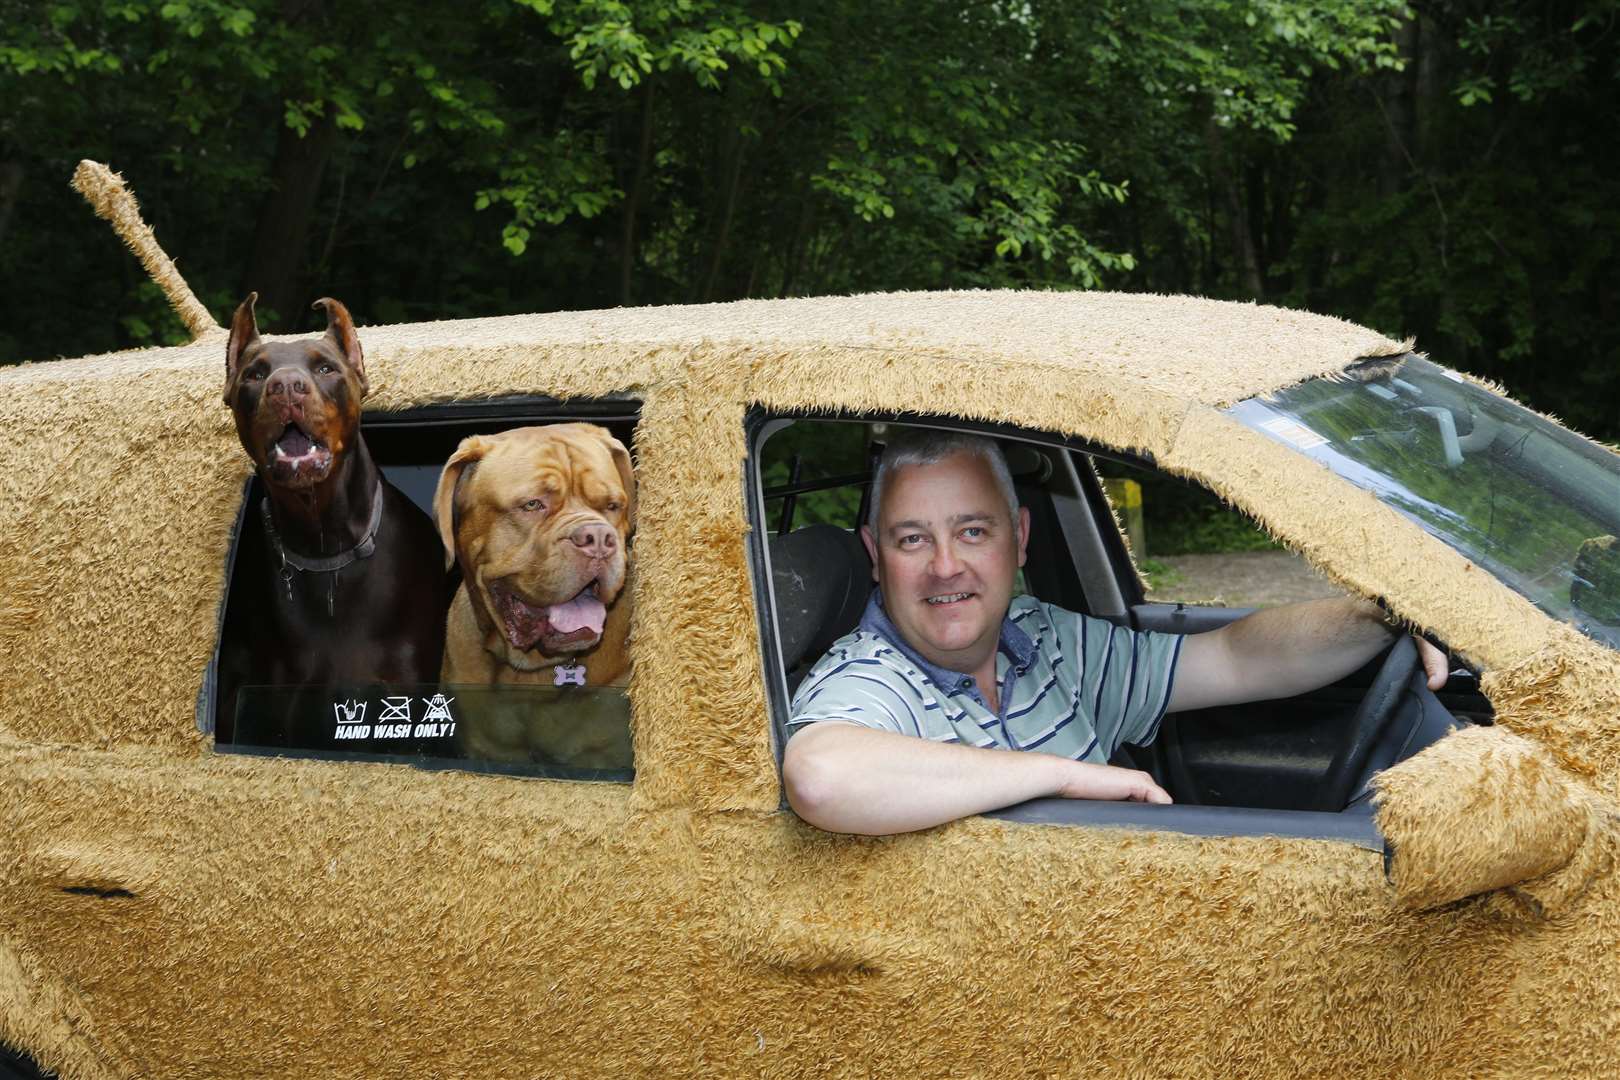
<point>1440,169</point>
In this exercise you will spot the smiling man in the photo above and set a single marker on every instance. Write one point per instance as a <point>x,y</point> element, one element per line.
<point>952,697</point>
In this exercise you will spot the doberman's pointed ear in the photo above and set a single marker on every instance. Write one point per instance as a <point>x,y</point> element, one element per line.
<point>460,466</point>
<point>244,333</point>
<point>340,328</point>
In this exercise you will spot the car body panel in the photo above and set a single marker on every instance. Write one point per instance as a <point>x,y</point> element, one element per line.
<point>369,920</point>
<point>297,917</point>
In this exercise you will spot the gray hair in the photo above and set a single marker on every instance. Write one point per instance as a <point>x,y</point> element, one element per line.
<point>927,446</point>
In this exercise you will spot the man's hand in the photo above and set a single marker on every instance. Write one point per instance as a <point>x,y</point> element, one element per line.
<point>1089,781</point>
<point>1436,664</point>
<point>847,778</point>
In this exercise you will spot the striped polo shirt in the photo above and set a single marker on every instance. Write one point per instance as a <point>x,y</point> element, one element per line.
<point>1070,684</point>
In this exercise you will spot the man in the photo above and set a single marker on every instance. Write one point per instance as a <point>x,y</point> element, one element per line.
<point>951,698</point>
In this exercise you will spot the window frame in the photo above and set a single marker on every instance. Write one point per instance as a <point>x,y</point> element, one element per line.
<point>481,416</point>
<point>1115,594</point>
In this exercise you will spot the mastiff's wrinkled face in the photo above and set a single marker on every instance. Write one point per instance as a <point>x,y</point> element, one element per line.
<point>539,519</point>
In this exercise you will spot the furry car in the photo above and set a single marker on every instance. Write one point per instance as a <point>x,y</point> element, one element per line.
<point>1373,881</point>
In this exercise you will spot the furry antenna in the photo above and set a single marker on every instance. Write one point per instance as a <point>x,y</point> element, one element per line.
<point>104,190</point>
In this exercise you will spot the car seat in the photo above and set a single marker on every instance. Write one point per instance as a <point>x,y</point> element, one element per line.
<point>821,578</point>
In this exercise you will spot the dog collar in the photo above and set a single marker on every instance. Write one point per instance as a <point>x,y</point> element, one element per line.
<point>291,560</point>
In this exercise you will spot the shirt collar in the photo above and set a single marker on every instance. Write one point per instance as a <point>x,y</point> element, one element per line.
<point>1018,646</point>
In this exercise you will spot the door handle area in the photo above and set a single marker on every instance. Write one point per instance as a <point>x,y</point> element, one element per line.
<point>814,945</point>
<point>99,871</point>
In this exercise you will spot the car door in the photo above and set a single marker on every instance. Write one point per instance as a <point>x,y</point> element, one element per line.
<point>1079,937</point>
<point>173,907</point>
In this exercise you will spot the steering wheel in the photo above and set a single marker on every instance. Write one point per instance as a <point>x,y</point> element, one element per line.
<point>1373,716</point>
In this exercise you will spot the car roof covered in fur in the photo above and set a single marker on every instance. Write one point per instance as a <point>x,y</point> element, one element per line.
<point>1189,349</point>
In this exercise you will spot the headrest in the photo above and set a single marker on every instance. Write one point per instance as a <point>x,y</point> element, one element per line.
<point>821,577</point>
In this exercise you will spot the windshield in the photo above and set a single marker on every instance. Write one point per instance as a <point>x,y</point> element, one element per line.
<point>1533,503</point>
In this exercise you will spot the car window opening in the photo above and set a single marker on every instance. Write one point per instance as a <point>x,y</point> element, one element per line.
<point>528,682</point>
<point>813,478</point>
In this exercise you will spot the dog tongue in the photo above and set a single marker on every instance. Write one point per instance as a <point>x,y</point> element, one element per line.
<point>294,443</point>
<point>583,612</point>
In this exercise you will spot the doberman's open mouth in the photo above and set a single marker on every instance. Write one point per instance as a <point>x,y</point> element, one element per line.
<point>566,627</point>
<point>296,455</point>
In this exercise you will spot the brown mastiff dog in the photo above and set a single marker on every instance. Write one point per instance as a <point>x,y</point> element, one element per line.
<point>539,519</point>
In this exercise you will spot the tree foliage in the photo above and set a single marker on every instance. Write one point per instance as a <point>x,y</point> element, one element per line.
<point>1440,169</point>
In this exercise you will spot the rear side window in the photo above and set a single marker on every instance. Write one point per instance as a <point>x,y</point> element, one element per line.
<point>485,627</point>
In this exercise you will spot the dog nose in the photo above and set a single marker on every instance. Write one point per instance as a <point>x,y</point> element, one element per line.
<point>596,541</point>
<point>287,383</point>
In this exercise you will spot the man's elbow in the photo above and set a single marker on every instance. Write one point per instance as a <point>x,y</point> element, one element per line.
<point>815,782</point>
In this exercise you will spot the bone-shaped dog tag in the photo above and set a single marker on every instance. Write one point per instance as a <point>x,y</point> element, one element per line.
<point>564,674</point>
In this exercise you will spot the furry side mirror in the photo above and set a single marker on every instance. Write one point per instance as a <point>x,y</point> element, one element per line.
<point>1485,810</point>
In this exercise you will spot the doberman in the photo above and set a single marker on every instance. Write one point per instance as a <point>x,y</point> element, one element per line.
<point>339,577</point>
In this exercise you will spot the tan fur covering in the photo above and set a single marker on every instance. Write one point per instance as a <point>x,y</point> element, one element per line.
<point>478,926</point>
<point>300,918</point>
<point>1457,789</point>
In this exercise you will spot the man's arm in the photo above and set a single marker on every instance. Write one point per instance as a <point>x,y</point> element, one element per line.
<point>851,779</point>
<point>1282,651</point>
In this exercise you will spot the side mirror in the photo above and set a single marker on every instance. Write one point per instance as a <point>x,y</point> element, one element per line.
<point>1484,810</point>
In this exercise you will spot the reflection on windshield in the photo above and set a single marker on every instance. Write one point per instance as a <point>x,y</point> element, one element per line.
<point>1531,502</point>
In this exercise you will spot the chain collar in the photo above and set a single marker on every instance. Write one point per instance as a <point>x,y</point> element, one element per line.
<point>329,564</point>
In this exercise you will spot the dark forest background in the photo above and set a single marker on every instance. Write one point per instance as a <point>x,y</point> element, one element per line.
<point>1446,169</point>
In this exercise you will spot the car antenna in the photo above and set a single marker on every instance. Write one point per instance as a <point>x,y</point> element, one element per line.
<point>104,190</point>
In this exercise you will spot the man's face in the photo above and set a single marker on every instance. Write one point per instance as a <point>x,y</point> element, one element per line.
<point>945,554</point>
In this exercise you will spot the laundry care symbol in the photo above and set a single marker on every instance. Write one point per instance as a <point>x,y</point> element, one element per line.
<point>438,709</point>
<point>396,710</point>
<point>564,674</point>
<point>350,712</point>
